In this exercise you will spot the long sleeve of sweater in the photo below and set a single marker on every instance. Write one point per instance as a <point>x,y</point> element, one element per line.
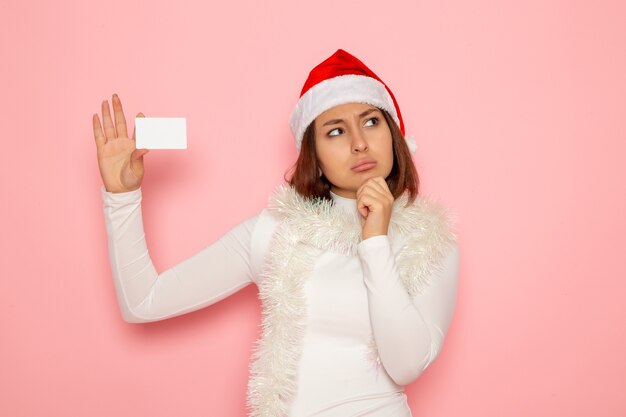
<point>143,294</point>
<point>409,332</point>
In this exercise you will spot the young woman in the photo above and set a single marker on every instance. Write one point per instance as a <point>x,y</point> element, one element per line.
<point>357,273</point>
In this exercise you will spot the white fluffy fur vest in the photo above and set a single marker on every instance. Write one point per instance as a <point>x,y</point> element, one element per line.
<point>425,227</point>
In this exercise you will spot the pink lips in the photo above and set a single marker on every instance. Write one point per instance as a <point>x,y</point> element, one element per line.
<point>364,165</point>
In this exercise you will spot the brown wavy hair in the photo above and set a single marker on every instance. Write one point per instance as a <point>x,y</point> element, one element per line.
<point>305,179</point>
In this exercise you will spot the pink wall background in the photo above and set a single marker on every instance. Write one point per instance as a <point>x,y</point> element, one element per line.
<point>518,109</point>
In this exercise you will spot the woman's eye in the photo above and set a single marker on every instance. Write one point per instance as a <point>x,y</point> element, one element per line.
<point>374,118</point>
<point>330,133</point>
<point>338,128</point>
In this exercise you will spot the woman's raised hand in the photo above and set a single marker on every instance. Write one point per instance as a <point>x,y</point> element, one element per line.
<point>120,162</point>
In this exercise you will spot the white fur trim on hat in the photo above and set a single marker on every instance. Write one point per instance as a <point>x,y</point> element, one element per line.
<point>349,88</point>
<point>410,141</point>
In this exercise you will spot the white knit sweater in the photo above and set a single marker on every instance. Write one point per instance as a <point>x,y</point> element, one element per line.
<point>348,301</point>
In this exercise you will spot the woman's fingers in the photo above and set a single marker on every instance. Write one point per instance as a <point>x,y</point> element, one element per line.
<point>109,130</point>
<point>370,190</point>
<point>97,131</point>
<point>370,184</point>
<point>383,187</point>
<point>120,121</point>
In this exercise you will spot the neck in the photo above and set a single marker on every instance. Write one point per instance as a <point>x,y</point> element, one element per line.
<point>348,204</point>
<point>343,192</point>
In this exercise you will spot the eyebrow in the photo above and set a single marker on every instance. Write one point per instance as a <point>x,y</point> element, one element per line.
<point>336,121</point>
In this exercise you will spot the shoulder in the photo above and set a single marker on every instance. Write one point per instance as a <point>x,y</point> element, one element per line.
<point>426,217</point>
<point>266,223</point>
<point>425,239</point>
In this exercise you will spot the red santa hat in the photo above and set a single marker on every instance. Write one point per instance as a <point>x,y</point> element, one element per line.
<point>342,78</point>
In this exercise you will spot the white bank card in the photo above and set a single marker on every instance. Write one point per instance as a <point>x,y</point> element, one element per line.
<point>161,132</point>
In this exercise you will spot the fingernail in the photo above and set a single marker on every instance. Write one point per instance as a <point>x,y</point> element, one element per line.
<point>115,95</point>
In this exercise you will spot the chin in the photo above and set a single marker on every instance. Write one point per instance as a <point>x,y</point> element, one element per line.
<point>376,172</point>
<point>369,173</point>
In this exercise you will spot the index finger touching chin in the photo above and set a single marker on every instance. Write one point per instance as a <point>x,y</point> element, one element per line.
<point>382,184</point>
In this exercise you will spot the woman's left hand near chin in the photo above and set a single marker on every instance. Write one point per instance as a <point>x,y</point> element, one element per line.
<point>374,203</point>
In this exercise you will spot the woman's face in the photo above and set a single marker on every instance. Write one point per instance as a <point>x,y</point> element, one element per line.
<point>344,136</point>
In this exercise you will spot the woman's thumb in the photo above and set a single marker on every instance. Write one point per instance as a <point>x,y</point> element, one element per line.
<point>139,153</point>
<point>135,127</point>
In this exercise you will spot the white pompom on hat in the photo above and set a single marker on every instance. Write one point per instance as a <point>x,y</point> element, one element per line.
<point>342,78</point>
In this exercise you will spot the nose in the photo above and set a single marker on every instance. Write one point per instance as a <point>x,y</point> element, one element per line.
<point>359,144</point>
